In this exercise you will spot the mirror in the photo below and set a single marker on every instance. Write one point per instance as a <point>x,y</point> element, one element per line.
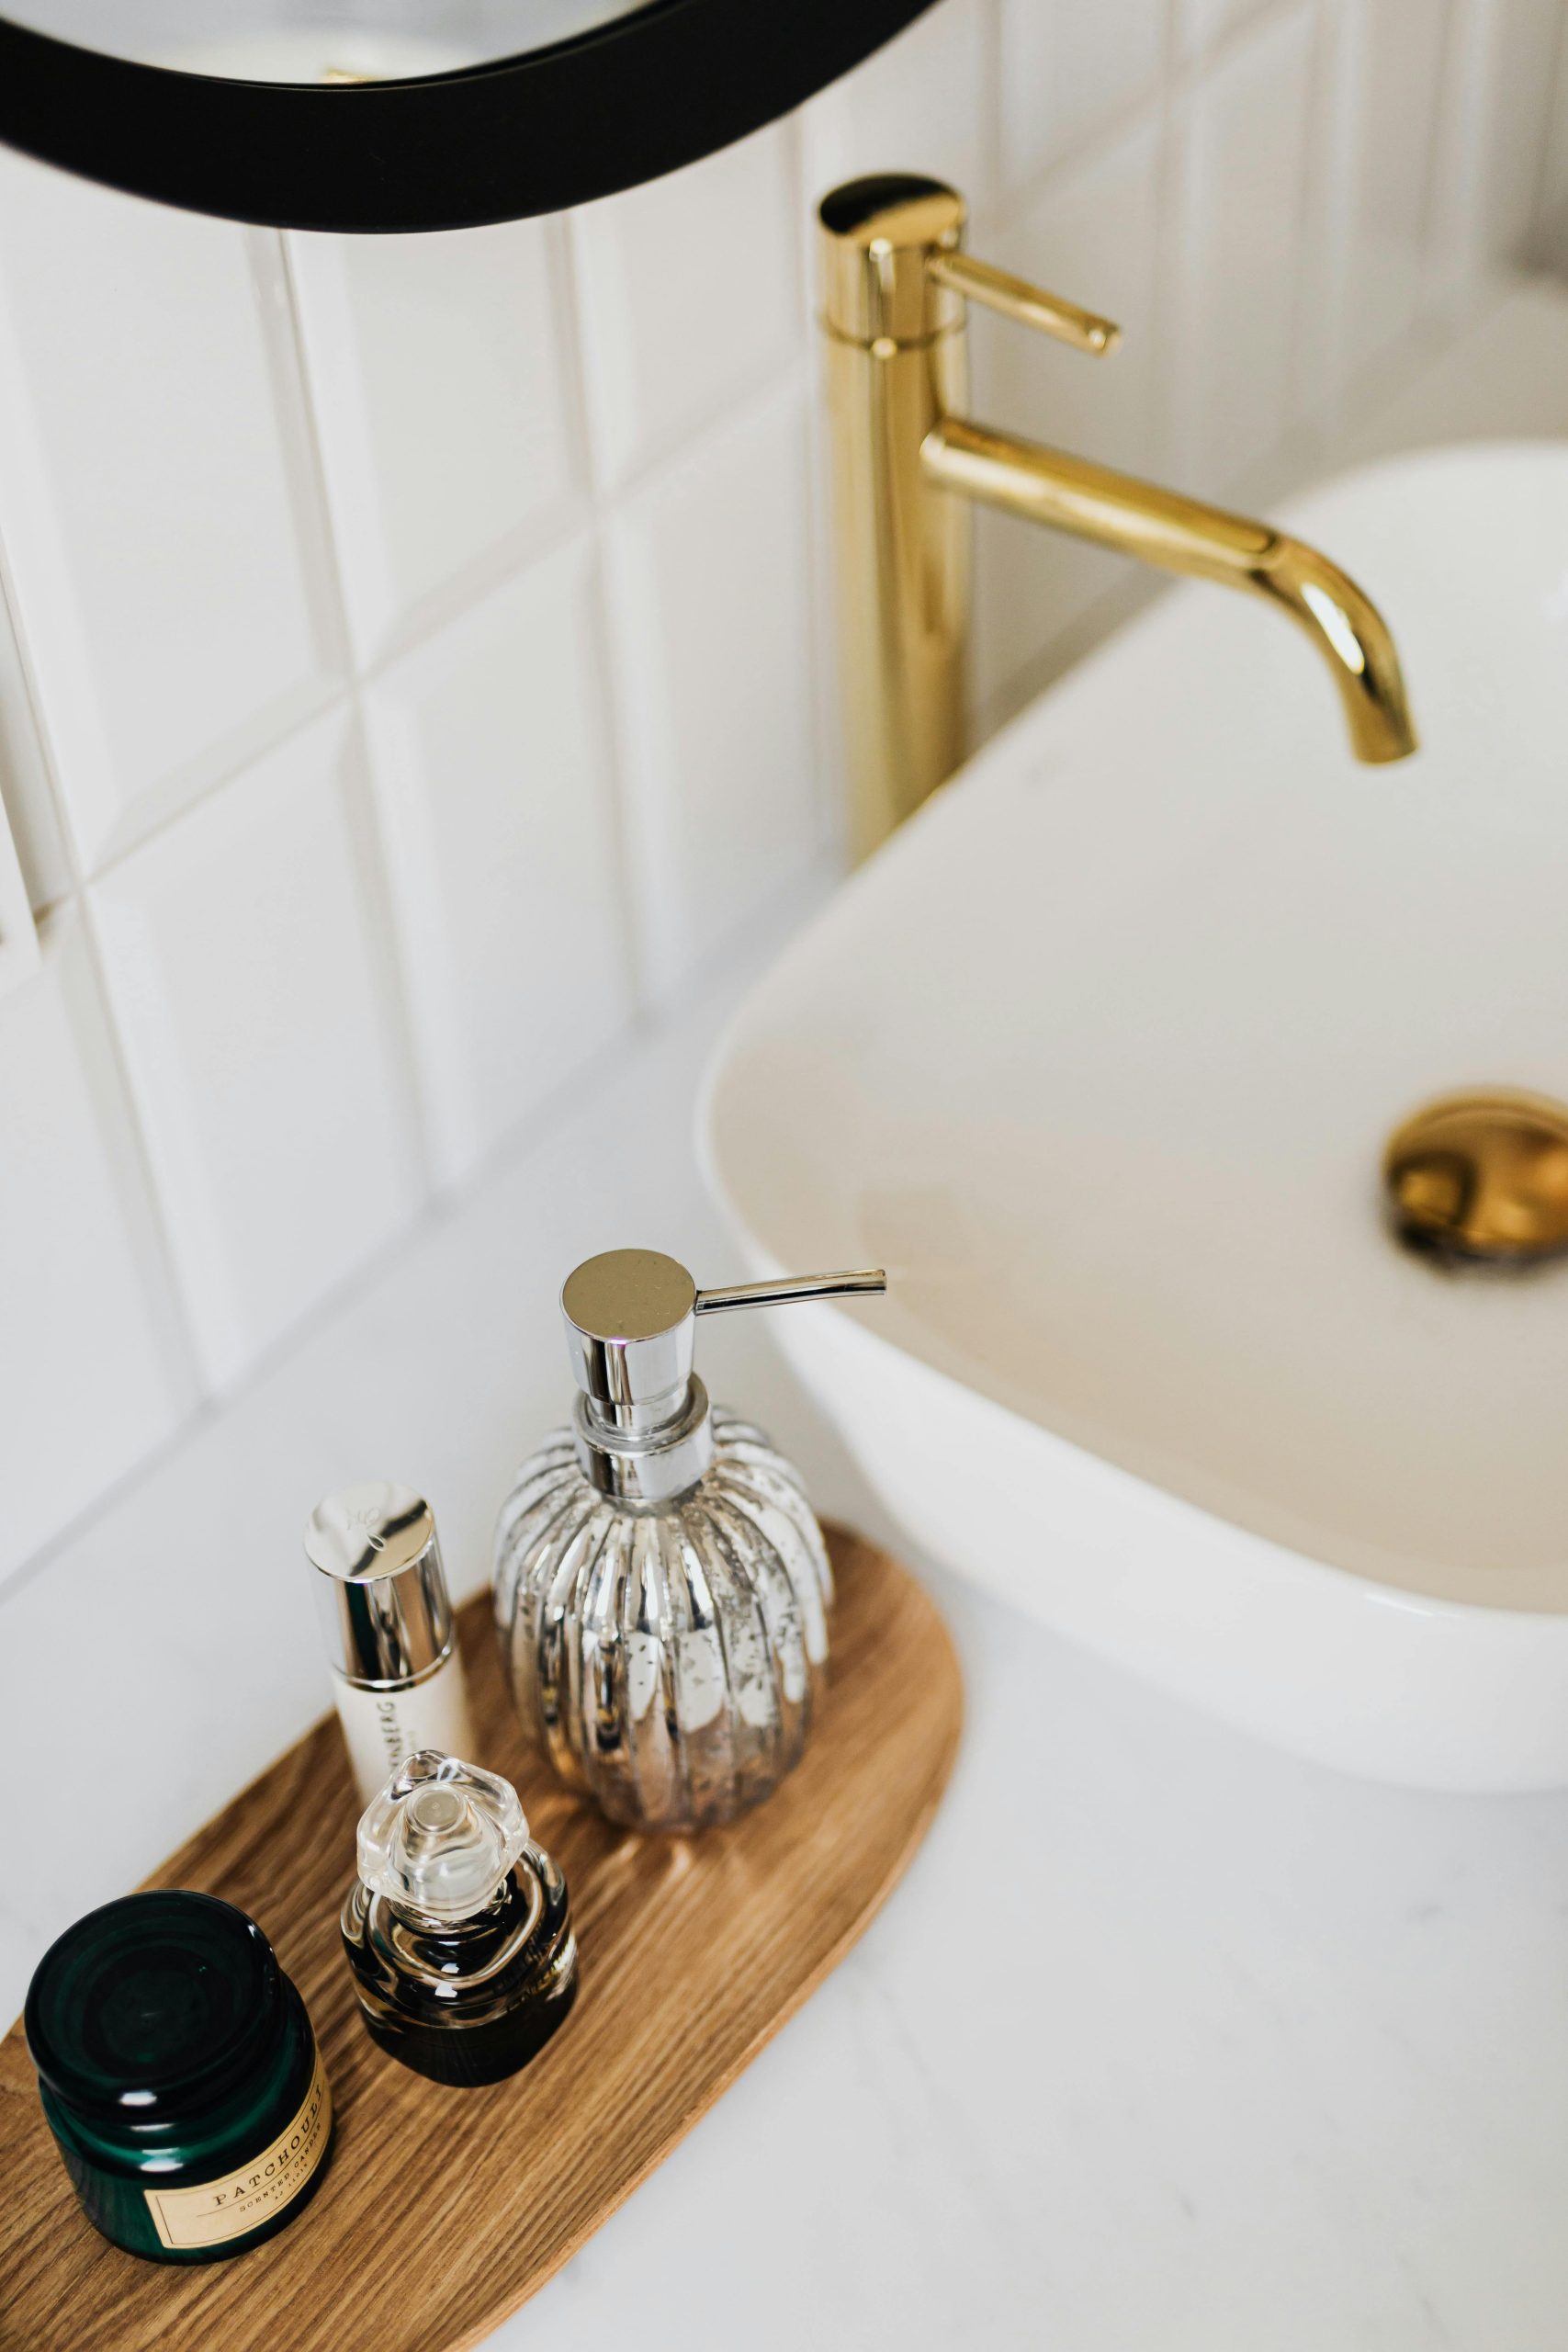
<point>320,41</point>
<point>382,114</point>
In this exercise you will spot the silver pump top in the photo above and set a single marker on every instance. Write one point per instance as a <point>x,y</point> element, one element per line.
<point>642,1425</point>
<point>381,1588</point>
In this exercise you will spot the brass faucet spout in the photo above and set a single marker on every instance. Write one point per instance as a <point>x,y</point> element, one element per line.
<point>1183,535</point>
<point>909,465</point>
<point>1352,637</point>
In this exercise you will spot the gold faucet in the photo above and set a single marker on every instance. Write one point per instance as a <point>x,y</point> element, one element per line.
<point>896,285</point>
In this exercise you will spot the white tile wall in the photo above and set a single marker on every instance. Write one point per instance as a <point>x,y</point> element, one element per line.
<point>1244,126</point>
<point>690,298</point>
<point>1492,138</point>
<point>31,807</point>
<point>923,104</point>
<point>709,567</point>
<point>1549,241</point>
<point>246,982</point>
<point>1065,72</point>
<point>1202,24</point>
<point>1513,93</point>
<point>18,932</point>
<point>1383,85</point>
<point>447,417</point>
<point>155,497</point>
<point>1090,233</point>
<point>492,760</point>
<point>418,645</point>
<point>92,1377</point>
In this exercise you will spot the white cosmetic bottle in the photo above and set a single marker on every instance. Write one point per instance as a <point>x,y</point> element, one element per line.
<point>387,1617</point>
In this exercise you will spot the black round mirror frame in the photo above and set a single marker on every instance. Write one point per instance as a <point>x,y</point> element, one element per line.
<point>636,99</point>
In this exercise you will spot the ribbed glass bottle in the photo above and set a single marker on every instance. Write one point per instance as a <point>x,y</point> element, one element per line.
<point>666,1660</point>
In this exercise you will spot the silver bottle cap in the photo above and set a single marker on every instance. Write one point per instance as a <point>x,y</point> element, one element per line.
<point>641,1427</point>
<point>381,1589</point>
<point>630,1319</point>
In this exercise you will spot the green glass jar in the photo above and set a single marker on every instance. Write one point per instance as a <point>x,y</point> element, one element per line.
<point>179,2076</point>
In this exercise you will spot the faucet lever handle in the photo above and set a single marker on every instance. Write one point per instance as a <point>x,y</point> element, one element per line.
<point>1028,306</point>
<point>868,1281</point>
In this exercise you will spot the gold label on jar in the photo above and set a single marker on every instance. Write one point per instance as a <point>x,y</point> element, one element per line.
<point>242,2200</point>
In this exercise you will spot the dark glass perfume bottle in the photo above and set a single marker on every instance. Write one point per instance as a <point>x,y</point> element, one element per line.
<point>179,2076</point>
<point>458,1929</point>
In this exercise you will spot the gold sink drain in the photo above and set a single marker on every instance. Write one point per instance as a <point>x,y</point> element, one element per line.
<point>1482,1178</point>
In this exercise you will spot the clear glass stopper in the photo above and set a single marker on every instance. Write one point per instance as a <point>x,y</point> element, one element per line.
<point>441,1837</point>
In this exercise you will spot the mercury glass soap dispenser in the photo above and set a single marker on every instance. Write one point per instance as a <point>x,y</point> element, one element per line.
<point>661,1585</point>
<point>457,1927</point>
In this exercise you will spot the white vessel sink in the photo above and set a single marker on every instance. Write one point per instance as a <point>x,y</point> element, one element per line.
<point>1099,1056</point>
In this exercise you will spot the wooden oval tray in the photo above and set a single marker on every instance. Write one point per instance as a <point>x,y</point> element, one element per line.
<point>694,1952</point>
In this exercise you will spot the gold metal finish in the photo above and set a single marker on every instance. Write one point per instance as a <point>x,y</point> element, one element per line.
<point>1178,534</point>
<point>1014,297</point>
<point>1481,1177</point>
<point>896,359</point>
<point>878,240</point>
<point>908,464</point>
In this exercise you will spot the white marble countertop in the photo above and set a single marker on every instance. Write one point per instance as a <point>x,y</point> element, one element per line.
<point>1166,2039</point>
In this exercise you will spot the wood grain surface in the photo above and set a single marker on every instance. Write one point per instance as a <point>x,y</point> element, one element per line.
<point>694,1951</point>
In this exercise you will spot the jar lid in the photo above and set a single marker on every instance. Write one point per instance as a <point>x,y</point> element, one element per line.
<point>153,2005</point>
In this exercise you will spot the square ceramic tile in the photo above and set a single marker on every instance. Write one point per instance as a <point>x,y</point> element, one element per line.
<point>1385,95</point>
<point>442,398</point>
<point>1243,157</point>
<point>1200,23</point>
<point>709,569</point>
<point>1521,39</point>
<point>688,295</point>
<point>1492,160</point>
<point>491,757</point>
<point>31,811</point>
<point>923,104</point>
<point>1066,70</point>
<point>31,849</point>
<point>247,979</point>
<point>1092,235</point>
<point>92,1376</point>
<point>18,935</point>
<point>156,496</point>
<point>1551,242</point>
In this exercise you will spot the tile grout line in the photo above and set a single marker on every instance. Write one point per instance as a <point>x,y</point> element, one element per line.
<point>1166,426</point>
<point>821,629</point>
<point>1542,222</point>
<point>179,1320</point>
<point>1431,176</point>
<point>391,978</point>
<point>64,820</point>
<point>1177,80</point>
<point>537,544</point>
<point>570,334</point>
<point>166,1306</point>
<point>1319,224</point>
<point>1461,121</point>
<point>534,1133</point>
